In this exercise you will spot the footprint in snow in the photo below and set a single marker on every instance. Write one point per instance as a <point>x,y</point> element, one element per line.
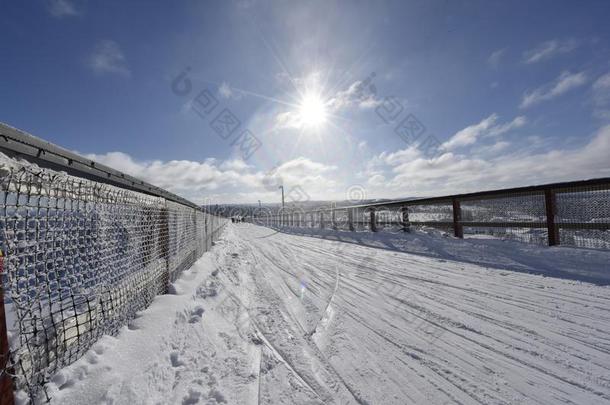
<point>174,358</point>
<point>196,314</point>
<point>192,397</point>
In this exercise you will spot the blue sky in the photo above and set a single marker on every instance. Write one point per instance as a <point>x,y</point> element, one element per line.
<point>509,93</point>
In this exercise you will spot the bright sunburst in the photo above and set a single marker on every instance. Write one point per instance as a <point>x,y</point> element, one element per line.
<point>312,110</point>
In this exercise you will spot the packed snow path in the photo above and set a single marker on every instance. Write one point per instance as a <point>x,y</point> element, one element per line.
<point>277,318</point>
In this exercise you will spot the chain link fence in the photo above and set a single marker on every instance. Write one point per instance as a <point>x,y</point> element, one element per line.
<point>80,259</point>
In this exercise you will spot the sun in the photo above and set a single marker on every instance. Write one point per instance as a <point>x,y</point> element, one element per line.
<point>312,110</point>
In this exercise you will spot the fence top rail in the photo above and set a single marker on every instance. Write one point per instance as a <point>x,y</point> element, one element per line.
<point>17,143</point>
<point>562,187</point>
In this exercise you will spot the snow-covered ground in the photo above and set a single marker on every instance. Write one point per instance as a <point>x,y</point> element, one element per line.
<point>279,318</point>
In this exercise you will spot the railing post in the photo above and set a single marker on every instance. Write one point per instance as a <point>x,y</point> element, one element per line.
<point>321,220</point>
<point>7,396</point>
<point>458,230</point>
<point>311,220</point>
<point>333,219</point>
<point>406,226</point>
<point>350,219</point>
<point>550,203</point>
<point>373,221</point>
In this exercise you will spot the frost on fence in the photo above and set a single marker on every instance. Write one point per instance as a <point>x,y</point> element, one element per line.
<point>584,224</point>
<point>519,216</point>
<point>80,259</point>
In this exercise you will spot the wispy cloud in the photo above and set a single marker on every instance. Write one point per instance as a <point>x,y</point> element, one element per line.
<point>61,8</point>
<point>564,83</point>
<point>495,58</point>
<point>549,49</point>
<point>108,58</point>
<point>226,91</point>
<point>356,95</point>
<point>487,127</point>
<point>601,96</point>
<point>500,129</point>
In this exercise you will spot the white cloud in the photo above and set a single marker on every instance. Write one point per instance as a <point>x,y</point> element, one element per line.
<point>453,173</point>
<point>564,83</point>
<point>487,127</point>
<point>495,58</point>
<point>226,91</point>
<point>601,96</point>
<point>358,94</point>
<point>107,57</point>
<point>61,8</point>
<point>469,135</point>
<point>549,49</point>
<point>233,179</point>
<point>288,119</point>
<point>400,173</point>
<point>517,122</point>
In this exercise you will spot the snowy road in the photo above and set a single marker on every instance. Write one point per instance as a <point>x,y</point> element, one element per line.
<point>275,318</point>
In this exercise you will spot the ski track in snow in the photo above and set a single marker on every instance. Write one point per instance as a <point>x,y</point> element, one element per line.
<point>275,318</point>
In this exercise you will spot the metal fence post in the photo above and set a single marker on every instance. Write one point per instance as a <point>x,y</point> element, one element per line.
<point>550,203</point>
<point>321,220</point>
<point>405,219</point>
<point>373,221</point>
<point>312,222</point>
<point>333,219</point>
<point>350,219</point>
<point>7,396</point>
<point>458,230</point>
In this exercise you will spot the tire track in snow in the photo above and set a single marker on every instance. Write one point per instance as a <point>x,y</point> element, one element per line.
<point>327,308</point>
<point>516,315</point>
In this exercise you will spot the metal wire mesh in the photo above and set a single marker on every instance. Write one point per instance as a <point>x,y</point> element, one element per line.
<point>583,216</point>
<point>571,214</point>
<point>80,259</point>
<point>342,219</point>
<point>519,217</point>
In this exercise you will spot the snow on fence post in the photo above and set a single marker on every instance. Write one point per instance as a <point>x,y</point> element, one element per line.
<point>6,382</point>
<point>373,221</point>
<point>458,230</point>
<point>550,203</point>
<point>165,248</point>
